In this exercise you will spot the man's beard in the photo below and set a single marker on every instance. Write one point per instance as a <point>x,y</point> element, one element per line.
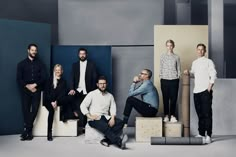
<point>103,91</point>
<point>83,59</point>
<point>32,56</point>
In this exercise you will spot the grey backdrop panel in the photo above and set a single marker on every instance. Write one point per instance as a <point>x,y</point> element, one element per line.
<point>126,63</point>
<point>14,39</point>
<point>108,22</point>
<point>45,11</point>
<point>223,105</point>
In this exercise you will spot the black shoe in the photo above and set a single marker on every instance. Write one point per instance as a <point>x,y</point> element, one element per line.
<point>105,142</point>
<point>64,120</point>
<point>24,137</point>
<point>29,137</point>
<point>81,130</point>
<point>50,136</point>
<point>122,143</point>
<point>24,134</point>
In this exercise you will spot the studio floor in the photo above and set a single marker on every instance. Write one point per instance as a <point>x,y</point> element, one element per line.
<point>11,146</point>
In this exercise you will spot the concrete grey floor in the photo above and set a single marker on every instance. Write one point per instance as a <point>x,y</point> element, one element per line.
<point>11,146</point>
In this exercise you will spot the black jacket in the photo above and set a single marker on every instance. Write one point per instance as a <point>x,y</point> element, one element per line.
<point>50,94</point>
<point>90,76</point>
<point>29,72</point>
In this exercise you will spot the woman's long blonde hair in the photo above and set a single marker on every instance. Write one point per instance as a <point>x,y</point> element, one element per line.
<point>54,75</point>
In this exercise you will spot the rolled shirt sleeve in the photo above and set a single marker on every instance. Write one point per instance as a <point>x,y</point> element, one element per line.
<point>113,107</point>
<point>212,72</point>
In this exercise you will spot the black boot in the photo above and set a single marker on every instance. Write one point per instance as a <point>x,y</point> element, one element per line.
<point>24,134</point>
<point>30,135</point>
<point>50,136</point>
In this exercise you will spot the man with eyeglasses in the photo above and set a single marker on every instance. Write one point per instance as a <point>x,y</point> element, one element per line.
<point>100,108</point>
<point>148,105</point>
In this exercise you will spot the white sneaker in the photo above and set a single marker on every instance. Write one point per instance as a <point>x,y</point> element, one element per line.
<point>203,138</point>
<point>208,140</point>
<point>199,135</point>
<point>173,119</point>
<point>166,119</point>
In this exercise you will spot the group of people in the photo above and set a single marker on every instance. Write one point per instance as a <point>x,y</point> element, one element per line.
<point>88,99</point>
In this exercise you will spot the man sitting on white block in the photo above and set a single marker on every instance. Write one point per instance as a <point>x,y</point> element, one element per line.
<point>92,136</point>
<point>100,108</point>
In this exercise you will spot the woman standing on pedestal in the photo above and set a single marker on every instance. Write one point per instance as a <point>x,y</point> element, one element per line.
<point>169,75</point>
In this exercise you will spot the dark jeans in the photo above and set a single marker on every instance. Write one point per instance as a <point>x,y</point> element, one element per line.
<point>169,90</point>
<point>111,133</point>
<point>203,106</point>
<point>141,107</point>
<point>30,105</point>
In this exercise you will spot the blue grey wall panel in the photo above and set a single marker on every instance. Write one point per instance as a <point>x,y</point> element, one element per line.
<point>14,39</point>
<point>100,55</point>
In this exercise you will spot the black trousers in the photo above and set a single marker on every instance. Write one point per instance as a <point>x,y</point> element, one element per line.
<point>76,100</point>
<point>169,90</point>
<point>51,112</point>
<point>30,105</point>
<point>66,104</point>
<point>111,133</point>
<point>141,107</point>
<point>203,106</point>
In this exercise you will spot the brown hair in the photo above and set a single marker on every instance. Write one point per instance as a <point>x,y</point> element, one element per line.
<point>203,45</point>
<point>171,41</point>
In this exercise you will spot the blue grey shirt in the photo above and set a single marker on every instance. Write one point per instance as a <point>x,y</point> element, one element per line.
<point>147,91</point>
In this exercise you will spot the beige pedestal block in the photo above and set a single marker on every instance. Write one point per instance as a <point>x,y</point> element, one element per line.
<point>147,128</point>
<point>173,129</point>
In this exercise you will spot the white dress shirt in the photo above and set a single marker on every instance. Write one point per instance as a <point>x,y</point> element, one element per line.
<point>204,72</point>
<point>95,103</point>
<point>82,85</point>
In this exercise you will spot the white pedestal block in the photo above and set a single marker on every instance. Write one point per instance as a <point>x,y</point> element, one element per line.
<point>59,128</point>
<point>92,136</point>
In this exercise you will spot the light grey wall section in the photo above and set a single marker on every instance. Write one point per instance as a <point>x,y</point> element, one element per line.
<point>109,22</point>
<point>216,35</point>
<point>223,105</point>
<point>128,62</point>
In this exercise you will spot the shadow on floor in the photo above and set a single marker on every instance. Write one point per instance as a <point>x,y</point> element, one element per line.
<point>217,138</point>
